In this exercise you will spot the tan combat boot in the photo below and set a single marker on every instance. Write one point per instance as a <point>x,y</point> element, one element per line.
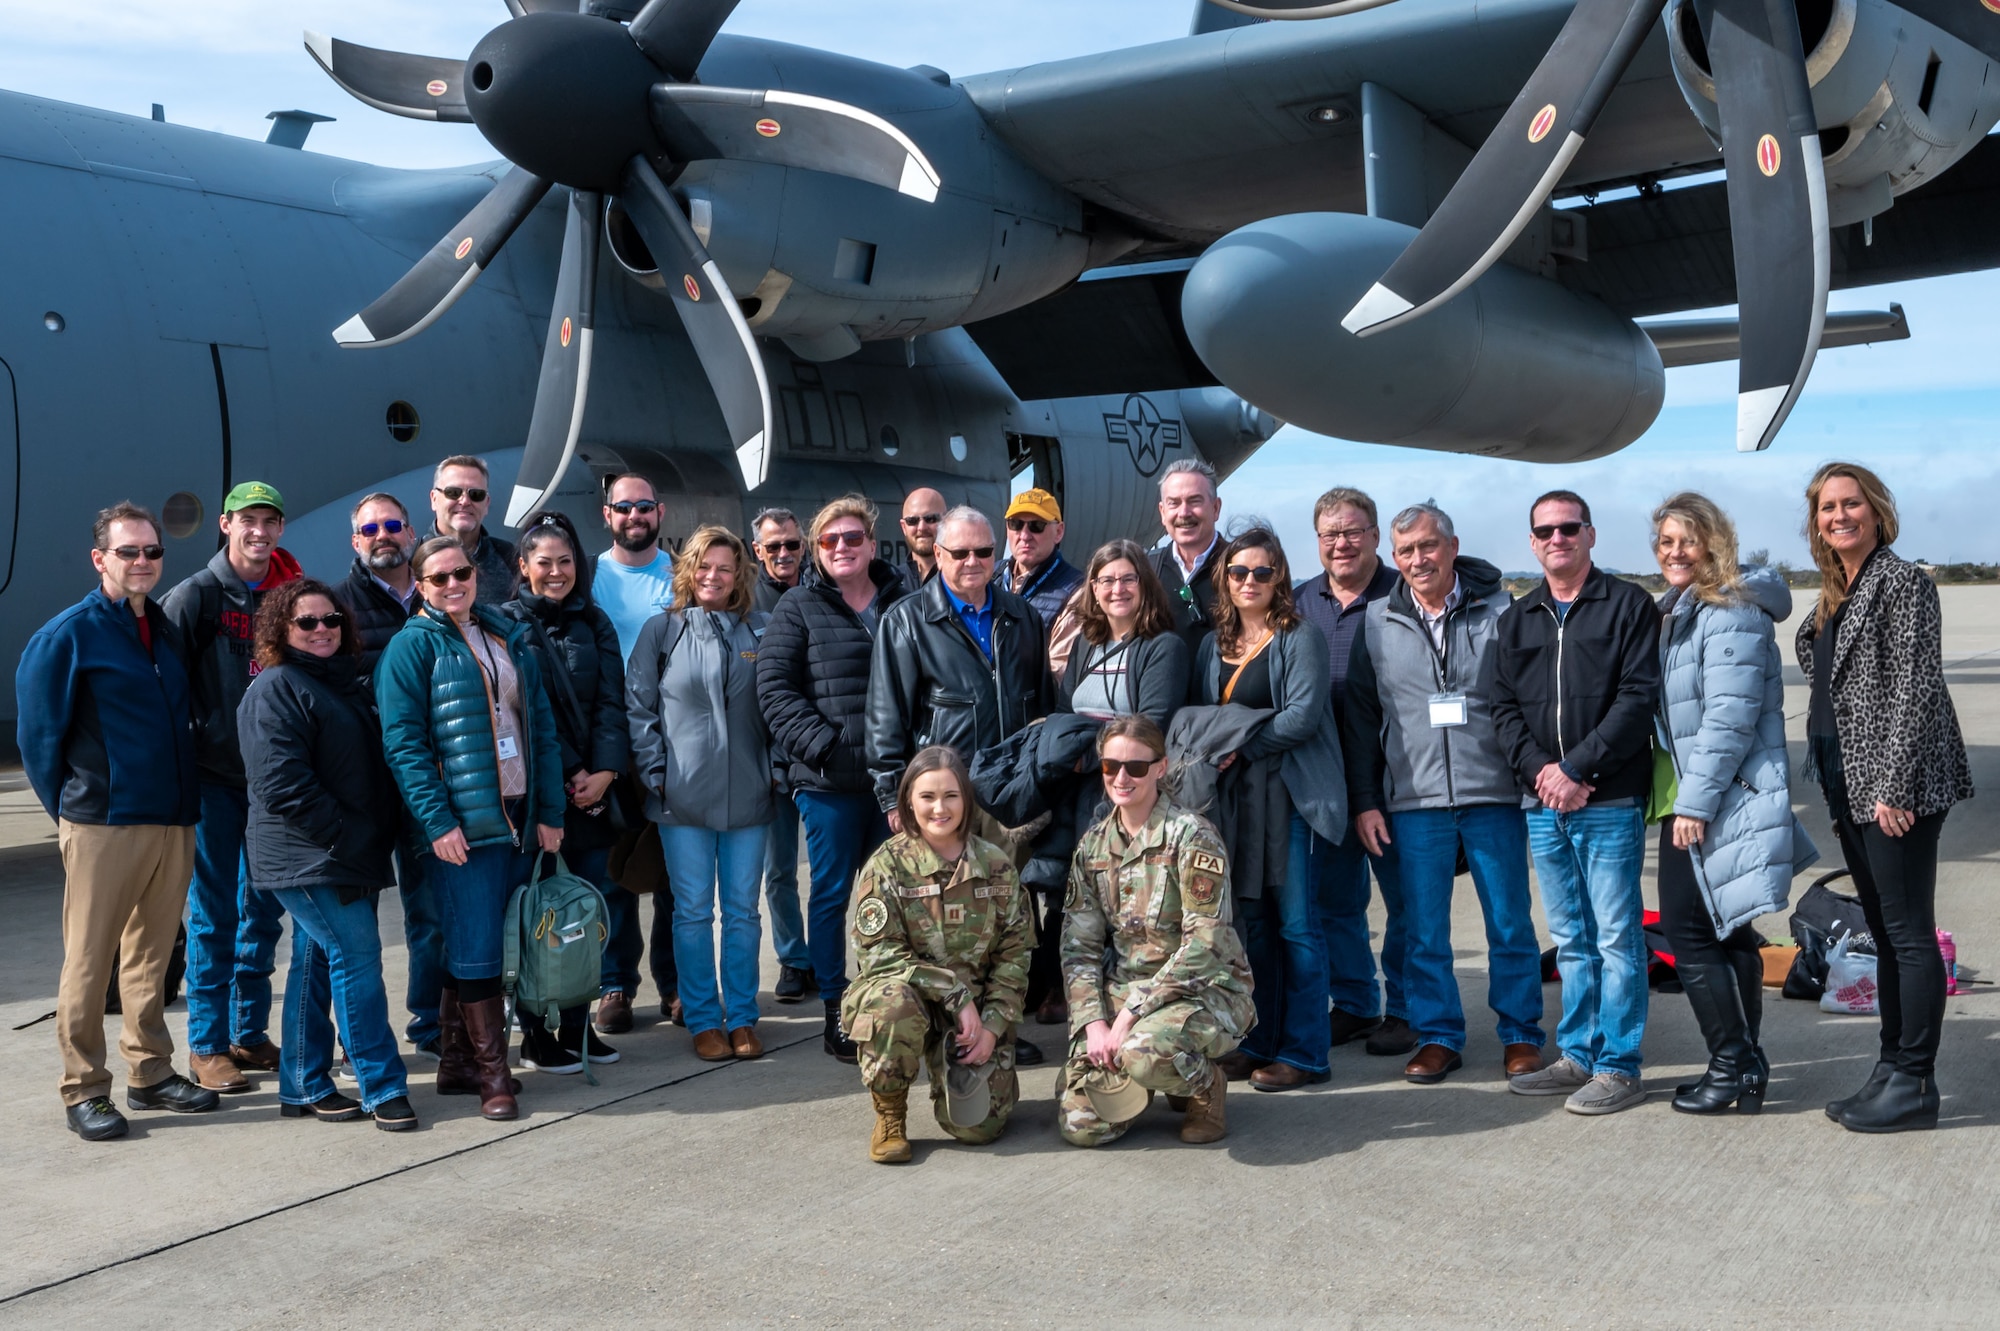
<point>891,1143</point>
<point>1206,1120</point>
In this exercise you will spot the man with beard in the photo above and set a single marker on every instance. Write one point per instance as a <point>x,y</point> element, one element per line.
<point>923,511</point>
<point>634,578</point>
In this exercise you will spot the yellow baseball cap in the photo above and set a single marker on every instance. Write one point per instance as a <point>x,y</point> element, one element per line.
<point>1035,504</point>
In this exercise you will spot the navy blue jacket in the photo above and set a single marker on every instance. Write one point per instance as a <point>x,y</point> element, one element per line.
<point>105,731</point>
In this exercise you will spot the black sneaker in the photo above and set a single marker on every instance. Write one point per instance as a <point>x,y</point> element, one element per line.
<point>600,1052</point>
<point>1392,1037</point>
<point>792,984</point>
<point>176,1093</point>
<point>1028,1054</point>
<point>396,1115</point>
<point>330,1108</point>
<point>96,1119</point>
<point>542,1052</point>
<point>1345,1026</point>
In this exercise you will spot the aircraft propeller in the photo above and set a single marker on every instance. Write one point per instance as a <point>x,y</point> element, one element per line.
<point>632,116</point>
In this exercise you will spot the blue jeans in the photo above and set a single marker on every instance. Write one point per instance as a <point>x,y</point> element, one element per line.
<point>472,906</point>
<point>423,937</point>
<point>233,932</point>
<point>336,966</point>
<point>1423,858</point>
<point>1588,863</point>
<point>705,867</point>
<point>842,831</point>
<point>1288,962</point>
<point>1343,921</point>
<point>781,892</point>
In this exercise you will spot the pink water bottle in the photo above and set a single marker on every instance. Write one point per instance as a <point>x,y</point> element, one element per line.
<point>1948,949</point>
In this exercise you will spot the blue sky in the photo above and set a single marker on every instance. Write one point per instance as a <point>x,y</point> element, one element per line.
<point>1925,412</point>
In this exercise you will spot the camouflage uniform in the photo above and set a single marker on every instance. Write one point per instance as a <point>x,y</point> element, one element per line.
<point>1147,927</point>
<point>928,940</point>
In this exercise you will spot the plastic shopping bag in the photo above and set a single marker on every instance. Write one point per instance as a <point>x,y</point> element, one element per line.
<point>1850,981</point>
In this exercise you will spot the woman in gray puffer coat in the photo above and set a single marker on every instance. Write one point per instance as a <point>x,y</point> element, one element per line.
<point>1728,853</point>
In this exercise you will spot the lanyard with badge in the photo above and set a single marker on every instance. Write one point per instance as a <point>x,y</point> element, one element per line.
<point>505,745</point>
<point>1447,707</point>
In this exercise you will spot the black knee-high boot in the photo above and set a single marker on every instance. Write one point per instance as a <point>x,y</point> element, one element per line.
<point>1734,1075</point>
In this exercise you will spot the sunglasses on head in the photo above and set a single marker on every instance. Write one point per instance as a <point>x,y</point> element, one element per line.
<point>785,547</point>
<point>1548,529</point>
<point>627,507</point>
<point>333,619</point>
<point>128,553</point>
<point>458,492</point>
<point>976,552</point>
<point>1035,525</point>
<point>1132,767</point>
<point>1262,573</point>
<point>463,573</point>
<point>373,529</point>
<point>923,519</point>
<point>833,540</point>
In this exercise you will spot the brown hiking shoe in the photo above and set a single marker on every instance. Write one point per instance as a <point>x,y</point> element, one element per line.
<point>1207,1120</point>
<point>891,1143</point>
<point>218,1072</point>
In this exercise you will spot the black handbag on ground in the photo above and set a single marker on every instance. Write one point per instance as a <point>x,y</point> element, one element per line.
<point>1818,922</point>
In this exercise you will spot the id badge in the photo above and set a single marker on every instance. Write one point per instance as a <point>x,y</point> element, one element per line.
<point>508,748</point>
<point>1447,709</point>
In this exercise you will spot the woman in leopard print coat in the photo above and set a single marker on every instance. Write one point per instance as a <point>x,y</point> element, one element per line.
<point>1884,743</point>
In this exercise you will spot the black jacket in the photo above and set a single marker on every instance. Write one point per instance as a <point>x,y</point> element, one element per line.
<point>576,647</point>
<point>212,612</point>
<point>1194,613</point>
<point>930,684</point>
<point>1050,589</point>
<point>324,811</point>
<point>1580,691</point>
<point>768,590</point>
<point>812,682</point>
<point>378,616</point>
<point>1156,672</point>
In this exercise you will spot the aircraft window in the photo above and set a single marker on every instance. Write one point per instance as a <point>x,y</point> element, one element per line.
<point>958,447</point>
<point>181,515</point>
<point>892,443</point>
<point>403,423</point>
<point>53,322</point>
<point>854,261</point>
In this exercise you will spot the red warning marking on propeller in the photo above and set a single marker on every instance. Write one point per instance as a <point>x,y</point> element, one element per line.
<point>769,128</point>
<point>464,248</point>
<point>565,332</point>
<point>1992,6</point>
<point>693,287</point>
<point>436,87</point>
<point>1545,120</point>
<point>1768,156</point>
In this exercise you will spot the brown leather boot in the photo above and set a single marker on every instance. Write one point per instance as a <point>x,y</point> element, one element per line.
<point>486,1025</point>
<point>891,1143</point>
<point>1207,1120</point>
<point>456,1073</point>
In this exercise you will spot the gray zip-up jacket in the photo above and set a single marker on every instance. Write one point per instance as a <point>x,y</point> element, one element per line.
<point>1396,759</point>
<point>698,742</point>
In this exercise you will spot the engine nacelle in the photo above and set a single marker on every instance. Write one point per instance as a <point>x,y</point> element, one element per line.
<point>1515,366</point>
<point>1897,100</point>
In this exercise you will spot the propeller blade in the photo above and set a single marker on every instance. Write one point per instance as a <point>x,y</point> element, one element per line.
<point>708,308</point>
<point>452,265</point>
<point>790,129</point>
<point>565,381</point>
<point>1977,25</point>
<point>1298,9</point>
<point>1777,205</point>
<point>675,34</point>
<point>422,87</point>
<point>1515,169</point>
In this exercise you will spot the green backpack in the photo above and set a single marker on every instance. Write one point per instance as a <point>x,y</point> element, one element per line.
<point>554,937</point>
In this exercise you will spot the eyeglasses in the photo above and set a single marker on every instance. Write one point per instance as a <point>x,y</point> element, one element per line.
<point>833,540</point>
<point>373,529</point>
<point>1124,581</point>
<point>1035,525</point>
<point>627,507</point>
<point>791,547</point>
<point>333,620</point>
<point>976,552</point>
<point>129,553</point>
<point>463,573</point>
<point>1263,573</point>
<point>1345,536</point>
<point>458,492</point>
<point>1132,767</point>
<point>1548,529</point>
<point>923,519</point>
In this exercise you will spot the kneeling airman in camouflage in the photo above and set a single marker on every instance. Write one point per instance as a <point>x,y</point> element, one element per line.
<point>1159,987</point>
<point>942,934</point>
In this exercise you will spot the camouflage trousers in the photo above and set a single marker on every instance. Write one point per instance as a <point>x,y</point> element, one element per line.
<point>896,1029</point>
<point>1170,1050</point>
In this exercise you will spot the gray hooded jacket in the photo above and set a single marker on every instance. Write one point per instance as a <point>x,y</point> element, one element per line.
<point>699,746</point>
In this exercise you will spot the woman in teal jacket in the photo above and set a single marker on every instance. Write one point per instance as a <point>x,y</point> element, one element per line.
<point>469,733</point>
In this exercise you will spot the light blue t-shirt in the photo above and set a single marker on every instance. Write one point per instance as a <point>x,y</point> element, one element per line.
<point>631,596</point>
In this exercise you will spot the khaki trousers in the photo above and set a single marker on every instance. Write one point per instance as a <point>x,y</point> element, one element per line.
<point>123,896</point>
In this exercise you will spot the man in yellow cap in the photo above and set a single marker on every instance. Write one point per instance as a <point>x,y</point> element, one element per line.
<point>1035,570</point>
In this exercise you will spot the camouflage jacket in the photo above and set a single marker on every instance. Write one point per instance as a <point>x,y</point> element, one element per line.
<point>956,936</point>
<point>1146,923</point>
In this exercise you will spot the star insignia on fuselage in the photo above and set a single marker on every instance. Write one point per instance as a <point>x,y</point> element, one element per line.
<point>1144,432</point>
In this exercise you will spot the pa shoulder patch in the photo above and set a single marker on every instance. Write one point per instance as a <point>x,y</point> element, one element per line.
<point>1202,861</point>
<point>871,918</point>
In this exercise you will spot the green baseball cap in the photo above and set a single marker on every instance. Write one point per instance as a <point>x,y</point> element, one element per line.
<point>253,494</point>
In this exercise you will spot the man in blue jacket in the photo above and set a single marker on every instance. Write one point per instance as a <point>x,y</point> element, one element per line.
<point>107,742</point>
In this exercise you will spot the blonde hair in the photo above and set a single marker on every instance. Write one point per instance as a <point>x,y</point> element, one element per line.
<point>1717,578</point>
<point>1832,573</point>
<point>691,557</point>
<point>847,506</point>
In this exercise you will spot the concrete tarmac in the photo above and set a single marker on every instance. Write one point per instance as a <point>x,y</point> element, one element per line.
<point>684,1193</point>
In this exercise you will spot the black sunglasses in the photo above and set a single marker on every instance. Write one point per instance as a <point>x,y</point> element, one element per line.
<point>373,529</point>
<point>976,552</point>
<point>463,573</point>
<point>1548,529</point>
<point>789,547</point>
<point>1035,525</point>
<point>458,492</point>
<point>923,519</point>
<point>128,553</point>
<point>833,540</point>
<point>1262,573</point>
<point>1132,767</point>
<point>628,506</point>
<point>332,619</point>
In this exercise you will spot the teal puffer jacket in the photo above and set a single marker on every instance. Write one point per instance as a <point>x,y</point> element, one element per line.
<point>437,730</point>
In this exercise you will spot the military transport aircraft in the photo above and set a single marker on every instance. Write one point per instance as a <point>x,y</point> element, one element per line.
<point>826,274</point>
